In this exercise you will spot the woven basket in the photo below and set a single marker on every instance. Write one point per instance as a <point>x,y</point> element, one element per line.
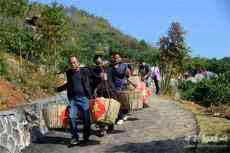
<point>104,110</point>
<point>55,115</point>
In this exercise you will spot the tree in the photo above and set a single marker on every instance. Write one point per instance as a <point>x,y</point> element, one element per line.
<point>13,8</point>
<point>173,55</point>
<point>143,45</point>
<point>52,26</point>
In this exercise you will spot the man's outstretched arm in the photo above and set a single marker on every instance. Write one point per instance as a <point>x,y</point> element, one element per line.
<point>61,88</point>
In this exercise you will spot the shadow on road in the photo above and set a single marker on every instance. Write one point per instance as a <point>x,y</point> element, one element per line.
<point>169,146</point>
<point>63,141</point>
<point>117,131</point>
<point>53,140</point>
<point>133,119</point>
<point>88,144</point>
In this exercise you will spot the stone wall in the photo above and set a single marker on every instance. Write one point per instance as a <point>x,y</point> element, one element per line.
<point>23,125</point>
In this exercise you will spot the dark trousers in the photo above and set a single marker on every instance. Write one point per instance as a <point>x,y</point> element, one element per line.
<point>122,114</point>
<point>156,82</point>
<point>79,104</point>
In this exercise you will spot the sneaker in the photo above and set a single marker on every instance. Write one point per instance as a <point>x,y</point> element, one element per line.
<point>85,141</point>
<point>74,142</point>
<point>146,106</point>
<point>125,118</point>
<point>119,122</point>
<point>110,129</point>
<point>100,133</point>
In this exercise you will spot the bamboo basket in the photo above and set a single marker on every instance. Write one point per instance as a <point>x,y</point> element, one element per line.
<point>104,110</point>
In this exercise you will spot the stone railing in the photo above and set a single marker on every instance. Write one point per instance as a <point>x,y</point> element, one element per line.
<point>23,125</point>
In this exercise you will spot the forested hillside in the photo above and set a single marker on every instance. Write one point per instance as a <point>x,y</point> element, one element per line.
<point>38,38</point>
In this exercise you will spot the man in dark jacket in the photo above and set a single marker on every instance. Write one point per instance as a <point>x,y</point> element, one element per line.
<point>102,83</point>
<point>102,87</point>
<point>78,92</point>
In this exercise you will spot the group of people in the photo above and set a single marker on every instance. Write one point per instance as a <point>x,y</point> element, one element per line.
<point>103,80</point>
<point>200,74</point>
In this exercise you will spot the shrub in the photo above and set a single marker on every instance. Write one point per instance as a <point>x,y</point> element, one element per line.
<point>186,89</point>
<point>208,92</point>
<point>185,85</point>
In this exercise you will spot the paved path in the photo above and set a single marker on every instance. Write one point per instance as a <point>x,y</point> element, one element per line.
<point>158,129</point>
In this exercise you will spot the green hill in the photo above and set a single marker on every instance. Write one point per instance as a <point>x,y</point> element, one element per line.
<point>44,36</point>
<point>69,30</point>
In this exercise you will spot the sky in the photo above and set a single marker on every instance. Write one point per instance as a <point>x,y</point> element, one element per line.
<point>206,22</point>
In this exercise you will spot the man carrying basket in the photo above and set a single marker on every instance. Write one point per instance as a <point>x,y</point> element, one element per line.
<point>78,92</point>
<point>119,72</point>
<point>102,87</point>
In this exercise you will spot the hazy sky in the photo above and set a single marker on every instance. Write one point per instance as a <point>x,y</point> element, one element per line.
<point>206,22</point>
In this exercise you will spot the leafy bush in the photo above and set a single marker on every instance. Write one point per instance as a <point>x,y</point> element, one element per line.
<point>187,89</point>
<point>208,92</point>
<point>185,85</point>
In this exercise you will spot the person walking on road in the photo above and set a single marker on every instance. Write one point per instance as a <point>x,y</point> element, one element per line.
<point>102,87</point>
<point>78,92</point>
<point>155,74</point>
<point>145,72</point>
<point>119,73</point>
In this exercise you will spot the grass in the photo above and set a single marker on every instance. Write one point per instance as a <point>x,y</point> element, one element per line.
<point>207,124</point>
<point>208,127</point>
